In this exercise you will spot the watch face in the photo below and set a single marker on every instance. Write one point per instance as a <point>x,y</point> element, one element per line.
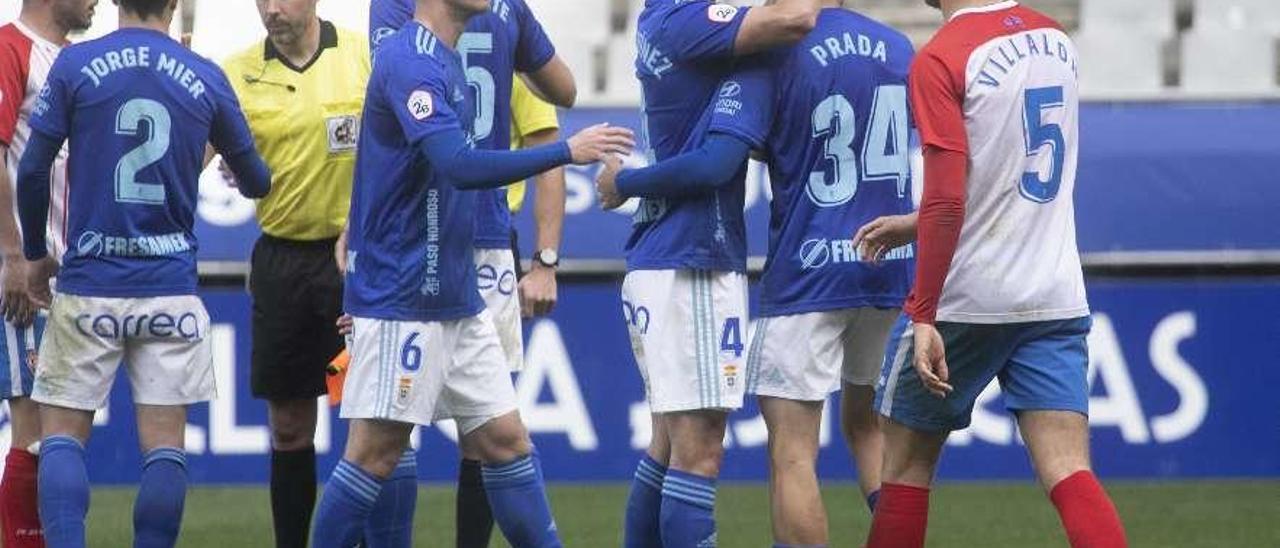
<point>548,257</point>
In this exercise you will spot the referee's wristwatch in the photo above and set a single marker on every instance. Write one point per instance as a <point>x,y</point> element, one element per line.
<point>547,257</point>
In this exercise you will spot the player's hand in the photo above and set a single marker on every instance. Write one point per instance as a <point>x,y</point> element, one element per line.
<point>597,142</point>
<point>931,360</point>
<point>14,301</point>
<point>345,325</point>
<point>227,175</point>
<point>38,275</point>
<point>340,252</point>
<point>607,184</point>
<point>538,291</point>
<point>877,238</point>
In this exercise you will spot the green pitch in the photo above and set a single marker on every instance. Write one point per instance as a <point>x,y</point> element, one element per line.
<point>1208,514</point>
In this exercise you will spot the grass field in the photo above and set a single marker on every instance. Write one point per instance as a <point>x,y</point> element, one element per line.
<point>1199,514</point>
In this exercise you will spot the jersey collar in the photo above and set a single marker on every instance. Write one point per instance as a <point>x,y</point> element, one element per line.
<point>35,36</point>
<point>328,39</point>
<point>985,9</point>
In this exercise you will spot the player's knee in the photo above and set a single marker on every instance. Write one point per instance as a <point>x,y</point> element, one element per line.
<point>24,419</point>
<point>701,457</point>
<point>1054,469</point>
<point>293,425</point>
<point>501,439</point>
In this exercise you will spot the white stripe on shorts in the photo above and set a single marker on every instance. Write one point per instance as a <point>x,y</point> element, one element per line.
<point>15,360</point>
<point>891,383</point>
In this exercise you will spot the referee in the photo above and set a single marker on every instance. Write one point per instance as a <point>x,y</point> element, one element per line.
<point>302,90</point>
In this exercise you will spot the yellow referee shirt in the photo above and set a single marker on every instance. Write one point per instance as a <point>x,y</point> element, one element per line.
<point>306,122</point>
<point>529,115</point>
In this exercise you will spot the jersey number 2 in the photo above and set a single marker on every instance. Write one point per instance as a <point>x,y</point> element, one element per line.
<point>884,151</point>
<point>129,121</point>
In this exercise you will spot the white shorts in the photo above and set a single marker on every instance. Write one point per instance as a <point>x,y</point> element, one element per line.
<point>805,356</point>
<point>415,372</point>
<point>496,276</point>
<point>163,341</point>
<point>688,331</point>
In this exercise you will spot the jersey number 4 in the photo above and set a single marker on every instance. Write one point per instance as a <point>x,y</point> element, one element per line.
<point>129,122</point>
<point>884,148</point>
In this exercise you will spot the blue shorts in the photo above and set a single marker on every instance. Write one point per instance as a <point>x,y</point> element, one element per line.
<point>18,350</point>
<point>1042,366</point>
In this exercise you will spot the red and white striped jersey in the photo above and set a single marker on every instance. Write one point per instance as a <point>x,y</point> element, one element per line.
<point>998,83</point>
<point>25,60</point>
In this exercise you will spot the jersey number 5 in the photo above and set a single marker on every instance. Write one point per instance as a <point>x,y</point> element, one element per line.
<point>479,78</point>
<point>1040,134</point>
<point>129,122</point>
<point>884,149</point>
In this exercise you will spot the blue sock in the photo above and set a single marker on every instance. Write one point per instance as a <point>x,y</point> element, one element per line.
<point>344,508</point>
<point>644,506</point>
<point>519,501</point>
<point>872,499</point>
<point>63,483</point>
<point>688,510</point>
<point>391,523</point>
<point>157,512</point>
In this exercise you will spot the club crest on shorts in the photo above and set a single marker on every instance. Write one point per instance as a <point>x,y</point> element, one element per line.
<point>421,105</point>
<point>403,390</point>
<point>721,13</point>
<point>730,374</point>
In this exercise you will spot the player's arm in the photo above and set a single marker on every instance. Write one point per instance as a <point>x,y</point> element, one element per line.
<point>553,83</point>
<point>229,135</point>
<point>782,23</point>
<point>537,124</point>
<point>34,171</point>
<point>937,101</point>
<point>700,171</point>
<point>14,303</point>
<point>451,156</point>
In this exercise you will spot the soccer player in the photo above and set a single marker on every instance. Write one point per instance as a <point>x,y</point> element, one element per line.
<point>302,88</point>
<point>28,47</point>
<point>830,117</point>
<point>138,108</point>
<point>506,38</point>
<point>999,292</point>
<point>422,339</point>
<point>685,294</point>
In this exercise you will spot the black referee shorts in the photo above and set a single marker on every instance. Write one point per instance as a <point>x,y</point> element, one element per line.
<point>297,298</point>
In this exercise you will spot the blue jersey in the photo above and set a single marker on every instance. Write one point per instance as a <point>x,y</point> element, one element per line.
<point>138,109</point>
<point>831,115</point>
<point>497,44</point>
<point>685,49</point>
<point>411,254</point>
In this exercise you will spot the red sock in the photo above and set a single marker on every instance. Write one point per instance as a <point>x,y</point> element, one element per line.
<point>902,515</point>
<point>19,510</point>
<point>1087,513</point>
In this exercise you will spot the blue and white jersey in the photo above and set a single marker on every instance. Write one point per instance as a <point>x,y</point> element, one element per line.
<point>410,233</point>
<point>138,109</point>
<point>496,45</point>
<point>832,117</point>
<point>685,49</point>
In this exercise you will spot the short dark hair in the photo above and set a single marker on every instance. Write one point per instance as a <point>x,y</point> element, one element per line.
<point>145,9</point>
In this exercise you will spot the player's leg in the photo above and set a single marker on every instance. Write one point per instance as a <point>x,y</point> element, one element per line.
<point>866,339</point>
<point>74,376</point>
<point>1046,385</point>
<point>474,518</point>
<point>916,425</point>
<point>689,488</point>
<point>393,383</point>
<point>642,527</point>
<point>795,499</point>
<point>480,395</point>
<point>162,491</point>
<point>19,509</point>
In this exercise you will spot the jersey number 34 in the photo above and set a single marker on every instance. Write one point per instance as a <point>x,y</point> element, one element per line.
<point>885,152</point>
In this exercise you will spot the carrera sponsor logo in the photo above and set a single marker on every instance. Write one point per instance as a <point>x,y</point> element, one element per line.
<point>96,244</point>
<point>421,105</point>
<point>820,252</point>
<point>721,13</point>
<point>162,326</point>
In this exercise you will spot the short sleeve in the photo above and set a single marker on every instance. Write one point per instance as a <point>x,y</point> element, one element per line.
<point>229,133</point>
<point>937,104</point>
<point>52,113</point>
<point>746,103</point>
<point>419,95</point>
<point>699,31</point>
<point>385,18</point>
<point>13,90</point>
<point>534,50</point>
